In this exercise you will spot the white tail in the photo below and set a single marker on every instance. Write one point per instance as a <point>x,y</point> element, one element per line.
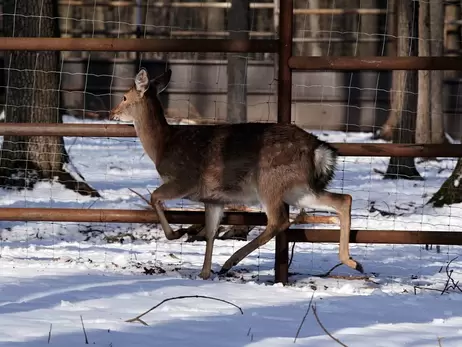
<point>248,163</point>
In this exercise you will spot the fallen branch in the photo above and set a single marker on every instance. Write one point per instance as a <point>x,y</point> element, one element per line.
<point>138,318</point>
<point>425,288</point>
<point>325,330</point>
<point>454,285</point>
<point>328,274</point>
<point>291,254</point>
<point>84,331</point>
<point>142,197</point>
<point>450,284</point>
<point>304,317</point>
<point>49,333</point>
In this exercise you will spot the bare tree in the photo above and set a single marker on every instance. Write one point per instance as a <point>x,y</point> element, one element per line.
<point>33,96</point>
<point>407,13</point>
<point>396,96</point>
<point>437,49</point>
<point>423,126</point>
<point>238,26</point>
<point>451,191</point>
<point>315,29</point>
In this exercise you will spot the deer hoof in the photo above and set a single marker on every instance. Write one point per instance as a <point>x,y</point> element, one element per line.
<point>350,262</point>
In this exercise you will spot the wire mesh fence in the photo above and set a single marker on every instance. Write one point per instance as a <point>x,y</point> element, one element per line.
<point>339,106</point>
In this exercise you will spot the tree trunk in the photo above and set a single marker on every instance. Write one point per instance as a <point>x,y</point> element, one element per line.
<point>397,79</point>
<point>238,26</point>
<point>423,126</point>
<point>437,99</point>
<point>315,29</point>
<point>33,96</point>
<point>405,133</point>
<point>451,190</point>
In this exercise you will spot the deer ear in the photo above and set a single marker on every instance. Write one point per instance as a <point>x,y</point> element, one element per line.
<point>161,82</point>
<point>142,81</point>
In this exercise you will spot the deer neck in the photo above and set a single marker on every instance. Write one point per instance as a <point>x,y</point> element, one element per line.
<point>152,129</point>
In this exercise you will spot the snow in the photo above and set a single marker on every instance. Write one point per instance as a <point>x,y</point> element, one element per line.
<point>55,274</point>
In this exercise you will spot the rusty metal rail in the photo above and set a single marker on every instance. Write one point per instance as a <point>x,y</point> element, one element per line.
<point>377,236</point>
<point>223,5</point>
<point>230,217</point>
<point>375,63</point>
<point>136,45</point>
<point>72,215</point>
<point>123,130</point>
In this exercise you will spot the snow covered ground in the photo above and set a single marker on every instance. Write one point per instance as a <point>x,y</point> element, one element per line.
<point>55,274</point>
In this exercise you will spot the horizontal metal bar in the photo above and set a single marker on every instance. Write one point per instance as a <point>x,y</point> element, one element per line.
<point>230,218</point>
<point>174,4</point>
<point>184,62</point>
<point>375,63</point>
<point>138,216</point>
<point>126,130</point>
<point>136,45</point>
<point>67,129</point>
<point>224,5</point>
<point>377,236</point>
<point>340,11</point>
<point>222,33</point>
<point>164,32</point>
<point>398,150</point>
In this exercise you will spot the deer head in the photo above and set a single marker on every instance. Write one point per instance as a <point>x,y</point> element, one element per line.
<point>139,99</point>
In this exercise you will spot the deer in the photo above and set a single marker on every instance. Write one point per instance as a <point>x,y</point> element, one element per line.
<point>270,164</point>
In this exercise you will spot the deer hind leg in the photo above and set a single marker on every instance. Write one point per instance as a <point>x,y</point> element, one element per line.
<point>339,203</point>
<point>213,215</point>
<point>278,220</point>
<point>168,191</point>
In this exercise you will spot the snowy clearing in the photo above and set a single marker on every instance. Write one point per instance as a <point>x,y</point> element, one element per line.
<point>52,274</point>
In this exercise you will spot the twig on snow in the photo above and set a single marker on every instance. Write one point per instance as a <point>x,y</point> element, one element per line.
<point>325,330</point>
<point>450,284</point>
<point>291,254</point>
<point>304,317</point>
<point>330,271</point>
<point>439,342</point>
<point>454,285</point>
<point>343,277</point>
<point>141,196</point>
<point>425,288</point>
<point>84,331</point>
<point>138,318</point>
<point>49,333</point>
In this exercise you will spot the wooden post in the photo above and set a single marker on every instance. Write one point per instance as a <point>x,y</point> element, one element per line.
<point>238,26</point>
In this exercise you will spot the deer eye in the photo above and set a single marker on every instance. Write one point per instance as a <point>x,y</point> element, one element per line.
<point>125,98</point>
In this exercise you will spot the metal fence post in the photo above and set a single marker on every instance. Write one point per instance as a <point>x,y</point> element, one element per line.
<point>281,263</point>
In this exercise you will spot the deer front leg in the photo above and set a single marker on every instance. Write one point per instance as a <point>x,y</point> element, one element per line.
<point>168,191</point>
<point>213,215</point>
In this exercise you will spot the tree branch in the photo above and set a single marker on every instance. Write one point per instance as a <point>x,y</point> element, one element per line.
<point>325,330</point>
<point>138,318</point>
<point>304,317</point>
